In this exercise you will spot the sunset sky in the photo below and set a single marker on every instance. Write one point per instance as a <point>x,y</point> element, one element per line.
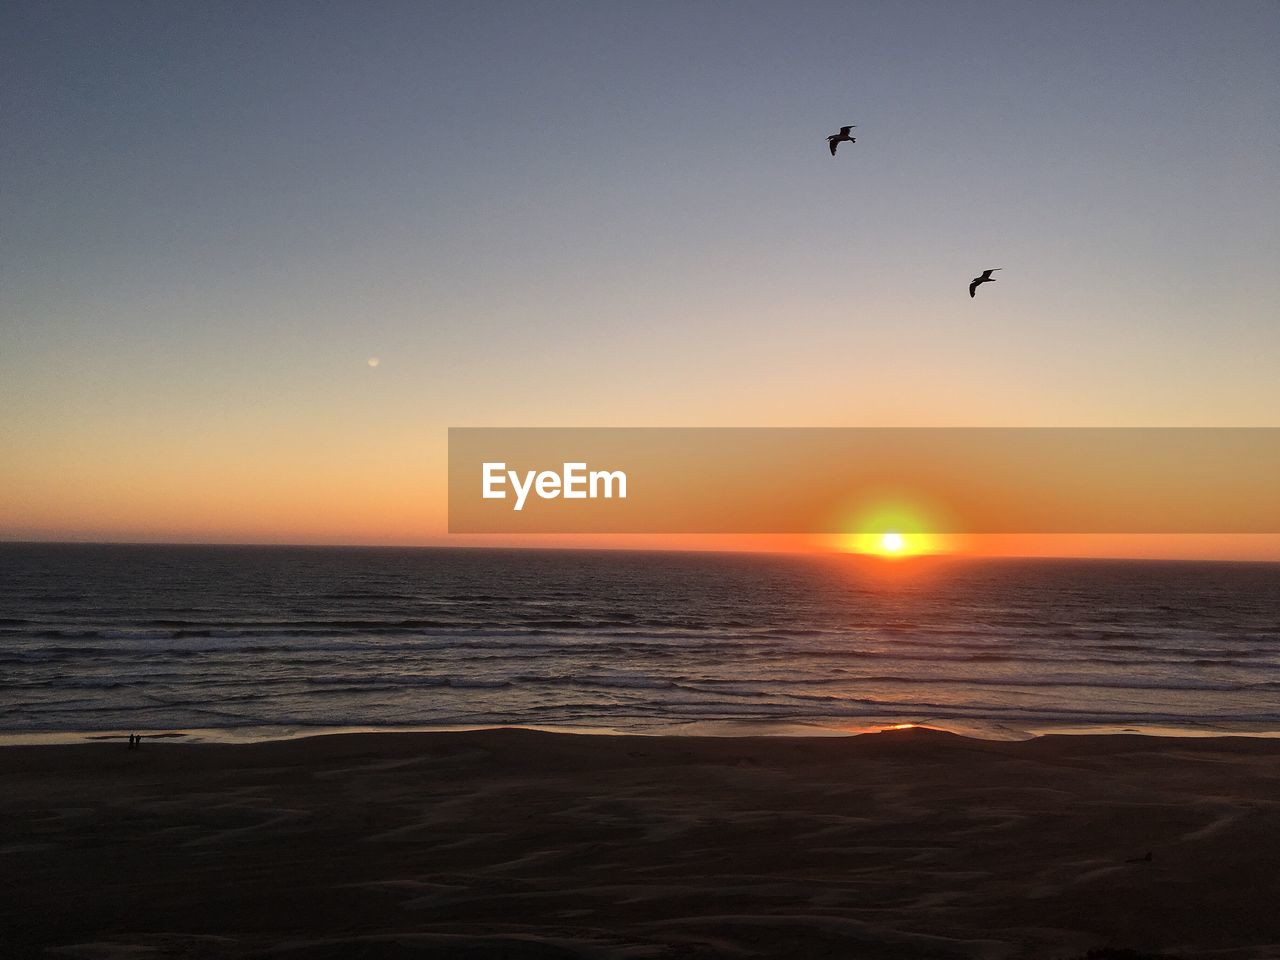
<point>579,214</point>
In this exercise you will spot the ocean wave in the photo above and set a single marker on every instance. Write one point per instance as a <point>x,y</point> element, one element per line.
<point>360,638</point>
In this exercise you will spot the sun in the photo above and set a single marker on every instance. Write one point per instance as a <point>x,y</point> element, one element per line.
<point>889,545</point>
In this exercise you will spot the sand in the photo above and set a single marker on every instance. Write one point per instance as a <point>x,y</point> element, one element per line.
<point>521,844</point>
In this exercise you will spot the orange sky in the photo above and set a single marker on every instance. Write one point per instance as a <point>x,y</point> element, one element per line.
<point>392,495</point>
<point>201,263</point>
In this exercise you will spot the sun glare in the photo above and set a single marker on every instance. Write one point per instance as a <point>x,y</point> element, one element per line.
<point>890,545</point>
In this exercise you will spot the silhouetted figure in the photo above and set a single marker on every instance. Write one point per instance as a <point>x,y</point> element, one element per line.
<point>1146,859</point>
<point>131,743</point>
<point>836,139</point>
<point>985,278</point>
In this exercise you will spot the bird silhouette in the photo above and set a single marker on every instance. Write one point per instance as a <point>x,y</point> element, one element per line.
<point>985,278</point>
<point>836,139</point>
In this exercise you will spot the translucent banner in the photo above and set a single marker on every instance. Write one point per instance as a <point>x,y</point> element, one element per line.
<point>864,480</point>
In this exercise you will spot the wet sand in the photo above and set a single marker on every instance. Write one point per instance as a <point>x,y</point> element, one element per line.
<point>521,845</point>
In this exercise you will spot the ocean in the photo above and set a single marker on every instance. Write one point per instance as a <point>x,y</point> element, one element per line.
<point>244,642</point>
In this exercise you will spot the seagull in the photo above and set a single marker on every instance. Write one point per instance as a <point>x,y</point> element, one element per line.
<point>985,278</point>
<point>837,138</point>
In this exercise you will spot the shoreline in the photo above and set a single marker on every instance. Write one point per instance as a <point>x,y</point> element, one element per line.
<point>992,732</point>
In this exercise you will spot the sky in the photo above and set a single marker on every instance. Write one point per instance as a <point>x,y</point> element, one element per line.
<point>586,214</point>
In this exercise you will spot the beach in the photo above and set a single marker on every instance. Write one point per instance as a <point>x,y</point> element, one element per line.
<point>517,843</point>
<point>565,481</point>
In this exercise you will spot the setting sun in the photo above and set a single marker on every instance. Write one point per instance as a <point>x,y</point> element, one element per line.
<point>889,544</point>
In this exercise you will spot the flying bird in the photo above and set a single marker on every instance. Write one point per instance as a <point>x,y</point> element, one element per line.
<point>838,138</point>
<point>985,278</point>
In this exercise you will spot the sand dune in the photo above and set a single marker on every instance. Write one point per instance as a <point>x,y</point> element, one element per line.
<point>519,844</point>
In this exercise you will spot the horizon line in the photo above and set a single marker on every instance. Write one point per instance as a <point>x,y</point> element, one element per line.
<point>892,560</point>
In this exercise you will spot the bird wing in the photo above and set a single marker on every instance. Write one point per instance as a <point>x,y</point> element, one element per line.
<point>844,131</point>
<point>973,286</point>
<point>832,142</point>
